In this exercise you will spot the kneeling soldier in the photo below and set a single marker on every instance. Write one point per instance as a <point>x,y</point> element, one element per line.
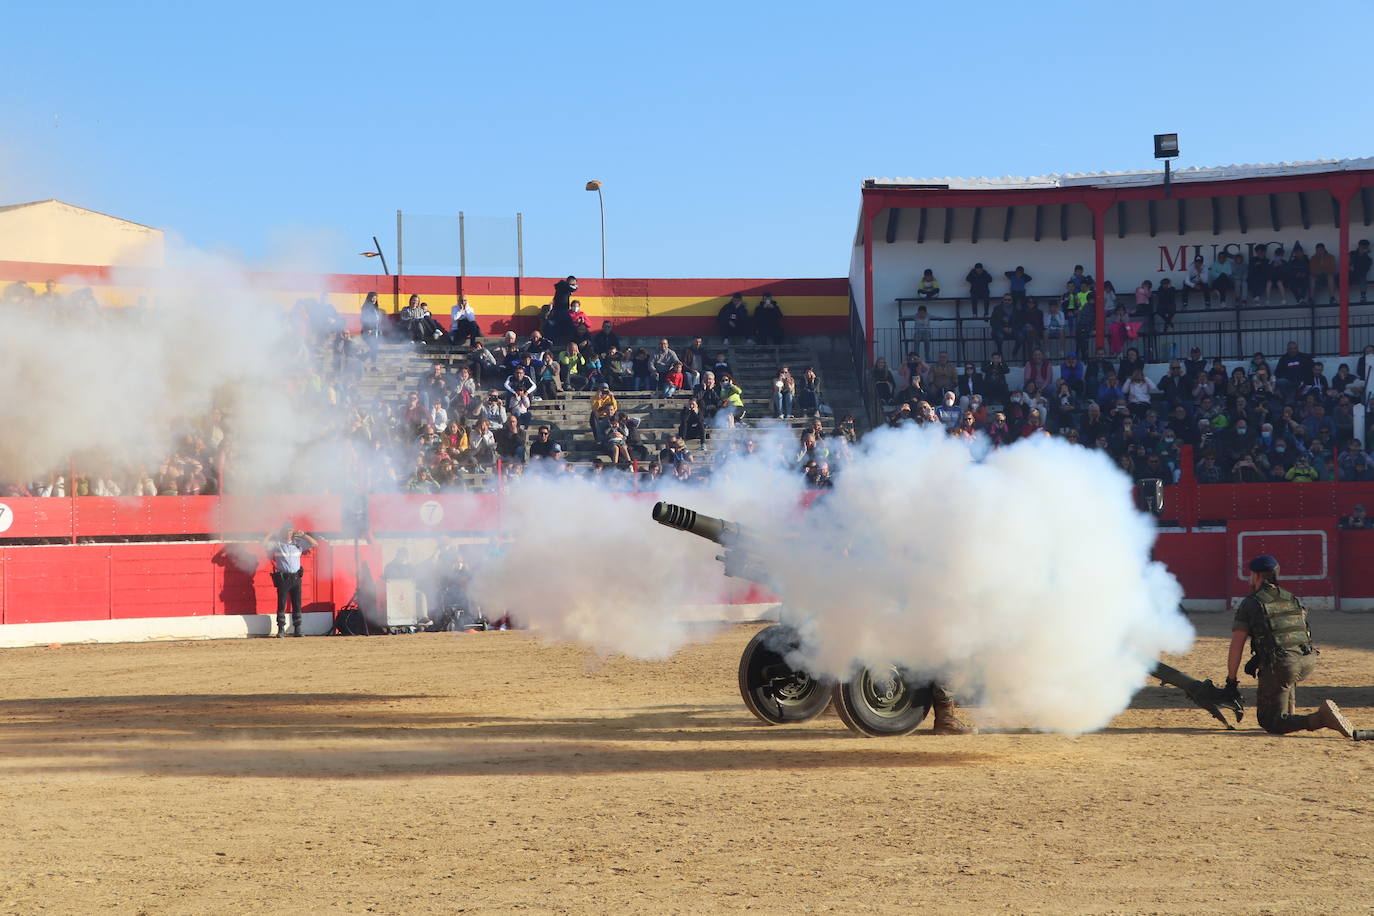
<point>1282,654</point>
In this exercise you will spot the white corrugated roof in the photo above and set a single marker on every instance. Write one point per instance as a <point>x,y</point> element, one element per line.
<point>1125,179</point>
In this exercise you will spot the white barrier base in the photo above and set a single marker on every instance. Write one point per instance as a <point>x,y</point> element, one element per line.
<point>236,626</point>
<point>142,629</point>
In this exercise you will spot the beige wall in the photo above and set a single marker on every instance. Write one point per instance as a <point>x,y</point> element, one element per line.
<point>57,233</point>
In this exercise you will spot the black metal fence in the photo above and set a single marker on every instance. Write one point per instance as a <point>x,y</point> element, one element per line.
<point>1227,333</point>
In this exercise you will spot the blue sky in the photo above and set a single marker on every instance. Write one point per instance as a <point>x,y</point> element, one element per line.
<point>731,138</point>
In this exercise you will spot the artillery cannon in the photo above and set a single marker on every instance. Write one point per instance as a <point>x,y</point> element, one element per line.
<point>875,703</point>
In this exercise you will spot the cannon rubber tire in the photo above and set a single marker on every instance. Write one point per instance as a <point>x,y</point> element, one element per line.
<point>870,708</point>
<point>799,701</point>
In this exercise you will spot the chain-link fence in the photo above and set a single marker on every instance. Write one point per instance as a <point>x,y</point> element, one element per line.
<point>459,245</point>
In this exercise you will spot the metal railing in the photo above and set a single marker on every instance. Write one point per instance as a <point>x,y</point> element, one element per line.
<point>1227,333</point>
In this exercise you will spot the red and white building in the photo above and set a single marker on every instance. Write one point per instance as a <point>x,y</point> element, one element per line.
<point>1123,227</point>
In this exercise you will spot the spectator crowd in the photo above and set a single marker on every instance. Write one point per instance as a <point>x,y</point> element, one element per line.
<point>1288,418</point>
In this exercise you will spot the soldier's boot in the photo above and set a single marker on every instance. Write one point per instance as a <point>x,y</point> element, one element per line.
<point>1328,715</point>
<point>296,627</point>
<point>281,628</point>
<point>947,721</point>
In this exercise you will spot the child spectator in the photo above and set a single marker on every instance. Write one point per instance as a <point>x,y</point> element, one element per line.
<point>1019,280</point>
<point>929,287</point>
<point>672,381</point>
<point>921,331</point>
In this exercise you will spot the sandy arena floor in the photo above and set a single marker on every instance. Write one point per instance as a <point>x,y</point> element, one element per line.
<point>489,773</point>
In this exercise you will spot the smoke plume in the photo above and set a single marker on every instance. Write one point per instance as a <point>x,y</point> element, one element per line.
<point>1021,577</point>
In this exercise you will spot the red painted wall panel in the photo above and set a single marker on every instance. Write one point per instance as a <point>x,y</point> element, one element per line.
<point>1356,563</point>
<point>1197,560</point>
<point>161,580</point>
<point>45,584</point>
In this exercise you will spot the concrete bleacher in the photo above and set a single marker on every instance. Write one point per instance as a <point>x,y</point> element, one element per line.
<point>400,368</point>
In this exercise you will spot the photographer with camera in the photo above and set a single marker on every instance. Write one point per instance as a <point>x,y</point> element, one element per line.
<point>285,547</point>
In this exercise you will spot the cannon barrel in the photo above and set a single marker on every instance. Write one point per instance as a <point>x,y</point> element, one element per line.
<point>693,522</point>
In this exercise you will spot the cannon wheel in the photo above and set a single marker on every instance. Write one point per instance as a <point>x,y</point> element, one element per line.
<point>882,704</point>
<point>775,692</point>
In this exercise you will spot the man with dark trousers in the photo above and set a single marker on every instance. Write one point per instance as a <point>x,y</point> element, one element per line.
<point>285,547</point>
<point>1282,654</point>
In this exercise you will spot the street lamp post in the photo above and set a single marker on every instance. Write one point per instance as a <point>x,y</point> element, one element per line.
<point>601,201</point>
<point>1166,148</point>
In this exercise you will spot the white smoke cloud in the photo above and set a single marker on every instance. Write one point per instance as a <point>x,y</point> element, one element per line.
<point>111,386</point>
<point>1022,579</point>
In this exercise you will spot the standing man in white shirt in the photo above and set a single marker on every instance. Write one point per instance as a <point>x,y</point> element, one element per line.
<point>285,547</point>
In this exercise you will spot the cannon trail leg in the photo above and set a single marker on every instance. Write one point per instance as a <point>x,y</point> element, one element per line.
<point>1205,694</point>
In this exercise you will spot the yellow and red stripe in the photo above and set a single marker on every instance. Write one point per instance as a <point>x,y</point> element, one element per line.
<point>635,306</point>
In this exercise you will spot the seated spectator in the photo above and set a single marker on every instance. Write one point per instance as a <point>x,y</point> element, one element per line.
<point>1207,470</point>
<point>1355,464</point>
<point>809,400</point>
<point>519,408</point>
<point>1056,327</point>
<point>1038,370</point>
<point>1302,470</point>
<point>995,372</point>
<point>884,382</point>
<point>1360,261</point>
<point>662,360</point>
<point>1034,425</point>
<point>768,321</point>
<point>1357,520</point>
<point>1072,373</point>
<point>1174,387</point>
<point>483,364</point>
<point>968,384</point>
<point>605,340</point>
<point>674,453</point>
<point>979,288</point>
<point>1318,423</point>
<point>1316,383</point>
<point>549,376</point>
<point>618,441</point>
<point>604,408</point>
<point>785,392</point>
<point>929,287</point>
<point>463,323</point>
<point>1219,276</point>
<point>731,401</point>
<point>1002,323</point>
<point>672,381</point>
<point>948,412</point>
<point>510,441</point>
<point>1166,305</point>
<point>1343,418</point>
<point>578,331</point>
<point>538,345</point>
<point>999,432</point>
<point>1323,273</point>
<point>707,395</point>
<point>694,362</point>
<point>1196,282</point>
<point>573,367</point>
<point>691,424</point>
<point>733,319</point>
<point>1019,282</point>
<point>617,369</point>
<point>1110,390</point>
<point>1299,276</point>
<point>1094,425</point>
<point>643,376</point>
<point>519,382</point>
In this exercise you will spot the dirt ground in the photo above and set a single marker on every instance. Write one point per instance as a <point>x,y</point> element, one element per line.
<point>488,773</point>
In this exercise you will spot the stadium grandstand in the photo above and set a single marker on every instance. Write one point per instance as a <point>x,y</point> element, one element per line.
<point>1211,334</point>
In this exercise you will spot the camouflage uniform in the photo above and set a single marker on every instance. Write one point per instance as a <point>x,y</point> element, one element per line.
<point>1282,655</point>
